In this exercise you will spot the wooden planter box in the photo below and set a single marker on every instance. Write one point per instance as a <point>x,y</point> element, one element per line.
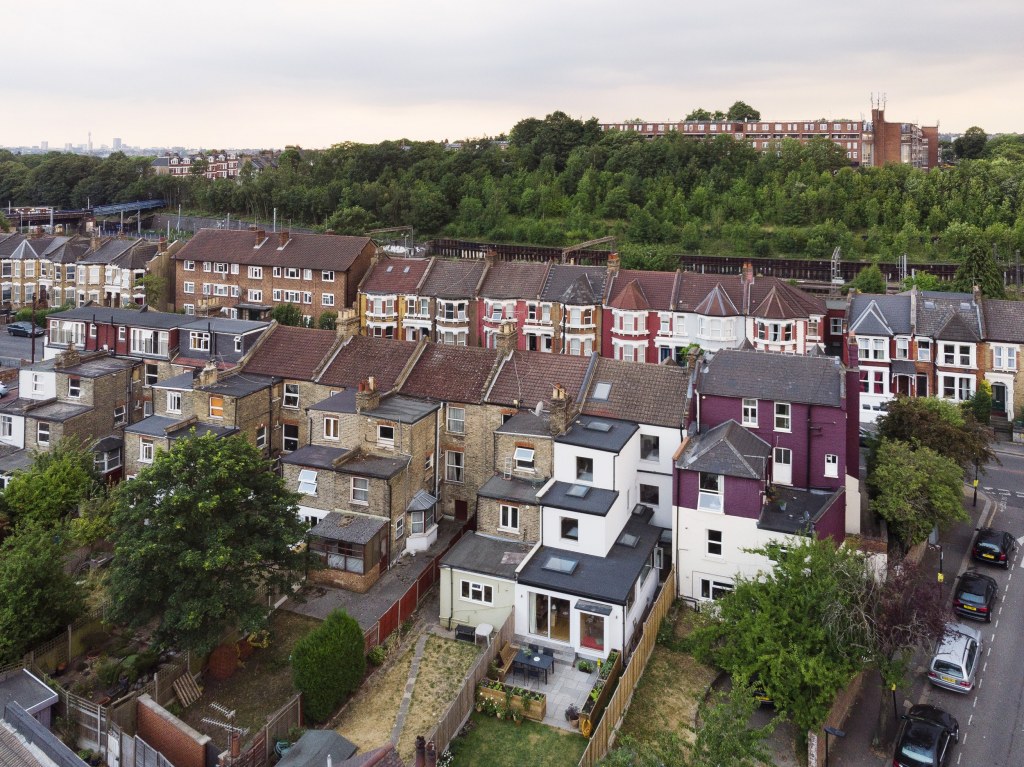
<point>592,709</point>
<point>533,709</point>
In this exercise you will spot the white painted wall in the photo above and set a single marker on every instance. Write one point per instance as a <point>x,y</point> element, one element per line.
<point>46,380</point>
<point>454,609</point>
<point>17,437</point>
<point>612,623</point>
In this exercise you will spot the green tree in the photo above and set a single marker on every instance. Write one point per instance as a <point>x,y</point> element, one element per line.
<point>979,268</point>
<point>981,403</point>
<point>924,281</point>
<point>915,490</point>
<point>153,288</point>
<point>328,664</point>
<point>37,598</point>
<point>937,424</point>
<point>699,115</point>
<point>287,314</point>
<point>327,320</point>
<point>780,625</point>
<point>5,225</point>
<point>51,490</point>
<point>971,145</point>
<point>869,280</point>
<point>725,737</point>
<point>197,535</point>
<point>742,111</point>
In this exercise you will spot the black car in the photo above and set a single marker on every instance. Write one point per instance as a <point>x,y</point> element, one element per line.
<point>994,546</point>
<point>926,738</point>
<point>25,329</point>
<point>975,596</point>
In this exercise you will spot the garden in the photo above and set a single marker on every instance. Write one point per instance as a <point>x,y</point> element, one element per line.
<point>507,742</point>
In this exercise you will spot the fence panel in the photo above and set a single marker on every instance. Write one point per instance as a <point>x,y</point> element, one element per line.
<point>280,723</point>
<point>407,604</point>
<point>600,738</point>
<point>147,756</point>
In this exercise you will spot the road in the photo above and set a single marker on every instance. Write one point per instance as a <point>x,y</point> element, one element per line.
<point>13,347</point>
<point>992,716</point>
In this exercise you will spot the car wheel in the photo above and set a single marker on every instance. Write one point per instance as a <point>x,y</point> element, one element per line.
<point>988,617</point>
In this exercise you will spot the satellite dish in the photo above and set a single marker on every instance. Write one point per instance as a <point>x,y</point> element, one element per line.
<point>539,409</point>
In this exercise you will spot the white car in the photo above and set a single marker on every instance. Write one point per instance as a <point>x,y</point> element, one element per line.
<point>957,658</point>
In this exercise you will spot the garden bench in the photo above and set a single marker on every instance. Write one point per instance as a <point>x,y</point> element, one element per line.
<point>506,657</point>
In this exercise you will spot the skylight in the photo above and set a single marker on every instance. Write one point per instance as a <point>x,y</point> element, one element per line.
<point>628,539</point>
<point>389,269</point>
<point>406,270</point>
<point>600,426</point>
<point>601,390</point>
<point>561,565</point>
<point>578,491</point>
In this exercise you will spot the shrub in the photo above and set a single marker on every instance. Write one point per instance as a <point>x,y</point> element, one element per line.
<point>378,655</point>
<point>328,664</point>
<point>585,666</point>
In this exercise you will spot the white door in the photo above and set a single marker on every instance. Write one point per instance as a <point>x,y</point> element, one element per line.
<point>782,472</point>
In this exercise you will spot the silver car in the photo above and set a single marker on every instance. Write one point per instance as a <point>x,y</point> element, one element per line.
<point>957,658</point>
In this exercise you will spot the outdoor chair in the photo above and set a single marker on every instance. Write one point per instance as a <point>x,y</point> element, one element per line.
<point>551,654</point>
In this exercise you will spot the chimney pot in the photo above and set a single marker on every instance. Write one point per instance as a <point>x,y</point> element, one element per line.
<point>371,384</point>
<point>236,745</point>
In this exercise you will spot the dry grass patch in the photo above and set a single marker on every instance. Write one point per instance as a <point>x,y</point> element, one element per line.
<point>368,718</point>
<point>442,671</point>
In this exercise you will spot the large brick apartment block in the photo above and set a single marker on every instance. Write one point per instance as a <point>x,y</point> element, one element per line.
<point>874,142</point>
<point>246,274</point>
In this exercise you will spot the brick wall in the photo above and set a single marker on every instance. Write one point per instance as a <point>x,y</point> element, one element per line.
<point>489,519</point>
<point>182,745</point>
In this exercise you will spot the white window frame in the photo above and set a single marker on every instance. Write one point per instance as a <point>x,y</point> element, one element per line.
<point>749,412</point>
<point>291,396</point>
<point>454,467</point>
<point>199,340</point>
<point>714,543</point>
<point>74,387</point>
<point>359,491</point>
<point>1004,357</point>
<point>455,420</point>
<point>327,299</point>
<point>255,272</point>
<point>711,499</point>
<point>924,350</point>
<point>831,465</point>
<point>479,593</point>
<point>524,458</point>
<point>307,481</point>
<point>783,420</point>
<point>327,275</point>
<point>508,518</point>
<point>146,450</point>
<point>383,441</point>
<point>332,428</point>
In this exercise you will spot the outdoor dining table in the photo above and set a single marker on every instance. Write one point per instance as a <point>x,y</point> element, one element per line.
<point>525,658</point>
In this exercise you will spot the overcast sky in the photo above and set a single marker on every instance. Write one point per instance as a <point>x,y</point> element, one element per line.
<point>259,73</point>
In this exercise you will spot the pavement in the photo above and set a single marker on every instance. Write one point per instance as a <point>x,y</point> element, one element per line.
<point>859,748</point>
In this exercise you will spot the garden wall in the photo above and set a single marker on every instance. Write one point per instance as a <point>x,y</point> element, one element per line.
<point>841,706</point>
<point>182,745</point>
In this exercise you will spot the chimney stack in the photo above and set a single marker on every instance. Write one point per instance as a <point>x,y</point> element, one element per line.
<point>282,237</point>
<point>613,264</point>
<point>208,375</point>
<point>367,396</point>
<point>491,256</point>
<point>261,235</point>
<point>236,745</point>
<point>421,752</point>
<point>748,272</point>
<point>559,419</point>
<point>347,324</point>
<point>507,338</point>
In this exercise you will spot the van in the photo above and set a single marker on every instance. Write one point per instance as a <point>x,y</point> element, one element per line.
<point>956,659</point>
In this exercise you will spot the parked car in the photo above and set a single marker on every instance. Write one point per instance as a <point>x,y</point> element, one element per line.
<point>994,546</point>
<point>926,738</point>
<point>975,596</point>
<point>25,329</point>
<point>957,658</point>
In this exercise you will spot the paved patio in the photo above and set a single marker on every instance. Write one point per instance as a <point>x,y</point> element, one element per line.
<point>565,685</point>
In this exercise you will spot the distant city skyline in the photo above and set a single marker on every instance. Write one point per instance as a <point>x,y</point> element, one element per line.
<point>269,74</point>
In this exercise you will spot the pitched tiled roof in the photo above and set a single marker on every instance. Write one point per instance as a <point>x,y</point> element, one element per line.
<point>293,353</point>
<point>9,244</point>
<point>363,356</point>
<point>717,303</point>
<point>727,449</point>
<point>771,376</point>
<point>514,279</point>
<point>694,289</point>
<point>656,289</point>
<point>648,394</point>
<point>571,284</point>
<point>877,315</point>
<point>451,373</point>
<point>308,251</point>
<point>395,276</point>
<point>956,328</point>
<point>528,377</point>
<point>933,313</point>
<point>111,249</point>
<point>775,299</point>
<point>448,278</point>
<point>1004,320</point>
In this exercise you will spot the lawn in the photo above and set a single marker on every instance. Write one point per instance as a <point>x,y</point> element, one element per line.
<point>672,686</point>
<point>367,719</point>
<point>442,671</point>
<point>258,689</point>
<point>500,743</point>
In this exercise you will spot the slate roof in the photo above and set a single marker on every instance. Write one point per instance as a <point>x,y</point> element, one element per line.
<point>317,456</point>
<point>1004,320</point>
<point>402,409</point>
<point>337,526</point>
<point>775,299</point>
<point>450,278</point>
<point>363,356</point>
<point>182,382</point>
<point>727,449</point>
<point>342,402</point>
<point>633,290</point>
<point>530,376</point>
<point>364,465</point>
<point>956,328</point>
<point>307,251</point>
<point>239,384</point>
<point>9,243</point>
<point>143,318</point>
<point>451,373</point>
<point>514,279</point>
<point>647,394</point>
<point>796,511</point>
<point>765,297</point>
<point>114,249</point>
<point>771,376</point>
<point>512,489</point>
<point>14,459</point>
<point>607,579</point>
<point>694,288</point>
<point>394,276</point>
<point>57,412</point>
<point>228,326</point>
<point>935,310</point>
<point>877,315</point>
<point>294,353</point>
<point>496,557</point>
<point>527,423</point>
<point>597,501</point>
<point>158,425</point>
<point>576,285</point>
<point>603,434</point>
<point>98,366</point>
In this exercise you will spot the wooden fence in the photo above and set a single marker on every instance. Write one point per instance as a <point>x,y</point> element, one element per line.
<point>406,605</point>
<point>601,737</point>
<point>450,724</point>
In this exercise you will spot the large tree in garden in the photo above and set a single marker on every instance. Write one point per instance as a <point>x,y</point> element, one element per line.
<point>197,535</point>
<point>328,664</point>
<point>37,597</point>
<point>945,427</point>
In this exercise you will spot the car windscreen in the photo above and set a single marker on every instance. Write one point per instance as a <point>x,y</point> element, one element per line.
<point>945,667</point>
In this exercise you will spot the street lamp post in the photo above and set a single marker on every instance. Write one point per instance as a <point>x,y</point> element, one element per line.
<point>834,732</point>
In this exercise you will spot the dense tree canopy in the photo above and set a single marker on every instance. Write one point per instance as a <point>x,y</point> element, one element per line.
<point>197,535</point>
<point>971,145</point>
<point>943,426</point>
<point>51,490</point>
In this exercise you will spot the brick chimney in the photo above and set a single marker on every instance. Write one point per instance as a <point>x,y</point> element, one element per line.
<point>431,754</point>
<point>491,256</point>
<point>559,420</point>
<point>748,272</point>
<point>613,264</point>
<point>282,238</point>
<point>421,752</point>
<point>367,396</point>
<point>69,357</point>
<point>507,338</point>
<point>976,292</point>
<point>208,375</point>
<point>261,235</point>
<point>347,324</point>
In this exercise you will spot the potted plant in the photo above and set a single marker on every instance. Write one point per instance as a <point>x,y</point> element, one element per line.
<point>572,716</point>
<point>585,666</point>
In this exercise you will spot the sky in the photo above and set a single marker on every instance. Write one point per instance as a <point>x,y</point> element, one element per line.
<point>262,73</point>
